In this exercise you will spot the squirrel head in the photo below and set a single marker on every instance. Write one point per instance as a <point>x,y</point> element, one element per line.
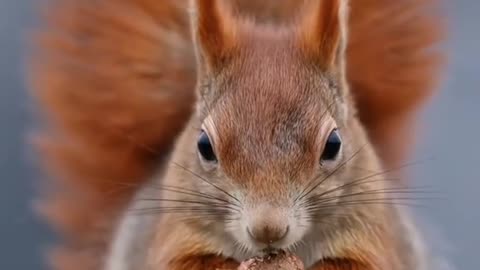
<point>272,130</point>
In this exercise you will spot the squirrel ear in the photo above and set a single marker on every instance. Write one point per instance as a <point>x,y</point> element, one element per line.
<point>323,33</point>
<point>213,32</point>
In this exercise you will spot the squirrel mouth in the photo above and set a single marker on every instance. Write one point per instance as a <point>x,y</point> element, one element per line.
<point>272,251</point>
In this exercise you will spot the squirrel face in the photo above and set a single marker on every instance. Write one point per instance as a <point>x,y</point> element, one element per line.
<point>274,135</point>
<point>271,129</point>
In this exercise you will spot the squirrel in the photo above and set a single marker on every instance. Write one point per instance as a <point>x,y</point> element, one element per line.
<point>199,134</point>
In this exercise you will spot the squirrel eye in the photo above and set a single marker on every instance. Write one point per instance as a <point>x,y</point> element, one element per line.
<point>205,147</point>
<point>332,146</point>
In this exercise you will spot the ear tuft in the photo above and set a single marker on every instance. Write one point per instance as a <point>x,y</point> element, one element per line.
<point>213,30</point>
<point>323,33</point>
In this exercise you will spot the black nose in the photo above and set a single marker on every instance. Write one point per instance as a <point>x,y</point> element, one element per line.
<point>268,234</point>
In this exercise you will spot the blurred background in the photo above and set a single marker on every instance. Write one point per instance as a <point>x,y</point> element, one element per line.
<point>451,136</point>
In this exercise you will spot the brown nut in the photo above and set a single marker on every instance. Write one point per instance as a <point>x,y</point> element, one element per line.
<point>278,261</point>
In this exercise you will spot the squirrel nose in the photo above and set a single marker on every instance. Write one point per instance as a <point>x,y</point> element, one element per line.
<point>268,234</point>
<point>268,225</point>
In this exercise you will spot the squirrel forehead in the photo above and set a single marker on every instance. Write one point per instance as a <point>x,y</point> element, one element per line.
<point>268,137</point>
<point>270,83</point>
<point>269,126</point>
<point>267,100</point>
<point>268,88</point>
<point>270,63</point>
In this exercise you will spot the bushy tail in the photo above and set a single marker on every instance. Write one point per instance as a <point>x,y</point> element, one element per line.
<point>115,81</point>
<point>394,64</point>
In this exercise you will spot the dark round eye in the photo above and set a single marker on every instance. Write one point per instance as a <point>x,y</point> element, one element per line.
<point>205,147</point>
<point>332,146</point>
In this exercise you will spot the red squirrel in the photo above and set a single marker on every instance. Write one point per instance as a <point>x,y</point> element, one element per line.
<point>199,134</point>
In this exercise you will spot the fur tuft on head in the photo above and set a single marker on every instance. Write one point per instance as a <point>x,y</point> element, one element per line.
<point>214,32</point>
<point>323,33</point>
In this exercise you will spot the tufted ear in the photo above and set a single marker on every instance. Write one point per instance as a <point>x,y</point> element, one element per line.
<point>214,32</point>
<point>323,33</point>
<point>323,39</point>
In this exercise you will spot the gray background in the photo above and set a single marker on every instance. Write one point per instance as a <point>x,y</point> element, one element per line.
<point>451,136</point>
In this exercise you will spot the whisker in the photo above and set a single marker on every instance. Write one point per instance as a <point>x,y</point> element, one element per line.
<point>181,190</point>
<point>398,201</point>
<point>314,219</point>
<point>413,163</point>
<point>321,198</point>
<point>303,194</point>
<point>186,211</point>
<point>206,181</point>
<point>200,208</point>
<point>360,181</point>
<point>354,182</point>
<point>206,203</point>
<point>397,168</point>
<point>322,201</point>
<point>346,185</point>
<point>180,208</point>
<point>419,190</point>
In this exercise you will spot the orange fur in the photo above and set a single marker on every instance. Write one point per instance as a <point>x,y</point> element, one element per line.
<point>116,82</point>
<point>340,265</point>
<point>322,33</point>
<point>215,32</point>
<point>393,68</point>
<point>204,263</point>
